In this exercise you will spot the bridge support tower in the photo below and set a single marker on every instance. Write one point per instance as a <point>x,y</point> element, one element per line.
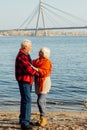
<point>40,13</point>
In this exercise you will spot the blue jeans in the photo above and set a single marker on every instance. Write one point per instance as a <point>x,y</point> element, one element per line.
<point>41,102</point>
<point>25,106</point>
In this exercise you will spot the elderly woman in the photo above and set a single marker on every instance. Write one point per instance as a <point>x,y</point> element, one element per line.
<point>42,82</point>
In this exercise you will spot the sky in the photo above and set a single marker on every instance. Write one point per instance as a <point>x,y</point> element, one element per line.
<point>14,12</point>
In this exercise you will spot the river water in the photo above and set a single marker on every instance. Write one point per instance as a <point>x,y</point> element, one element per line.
<point>69,74</point>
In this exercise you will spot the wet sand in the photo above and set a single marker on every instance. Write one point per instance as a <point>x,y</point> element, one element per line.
<point>61,120</point>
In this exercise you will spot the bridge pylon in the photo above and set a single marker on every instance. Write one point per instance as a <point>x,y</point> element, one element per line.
<point>40,13</point>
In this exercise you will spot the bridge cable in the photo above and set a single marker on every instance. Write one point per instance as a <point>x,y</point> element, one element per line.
<point>71,15</point>
<point>59,16</point>
<point>35,10</point>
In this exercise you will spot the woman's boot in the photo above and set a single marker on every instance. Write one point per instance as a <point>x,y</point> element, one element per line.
<point>43,121</point>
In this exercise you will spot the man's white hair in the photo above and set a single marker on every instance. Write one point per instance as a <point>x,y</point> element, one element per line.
<point>46,52</point>
<point>25,42</point>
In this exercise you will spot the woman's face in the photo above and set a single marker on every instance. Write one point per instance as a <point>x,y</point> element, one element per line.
<point>41,54</point>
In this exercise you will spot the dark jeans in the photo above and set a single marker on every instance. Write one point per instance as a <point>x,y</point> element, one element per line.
<point>41,102</point>
<point>25,106</point>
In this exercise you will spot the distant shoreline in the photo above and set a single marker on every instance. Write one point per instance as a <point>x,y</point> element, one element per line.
<point>44,33</point>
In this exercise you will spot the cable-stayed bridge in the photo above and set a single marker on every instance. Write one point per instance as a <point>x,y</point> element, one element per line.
<point>47,17</point>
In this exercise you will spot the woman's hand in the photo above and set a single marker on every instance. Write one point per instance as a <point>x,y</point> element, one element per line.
<point>33,67</point>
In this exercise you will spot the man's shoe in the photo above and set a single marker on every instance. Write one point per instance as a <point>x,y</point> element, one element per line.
<point>26,127</point>
<point>31,123</point>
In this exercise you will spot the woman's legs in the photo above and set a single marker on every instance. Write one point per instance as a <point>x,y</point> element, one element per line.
<point>41,102</point>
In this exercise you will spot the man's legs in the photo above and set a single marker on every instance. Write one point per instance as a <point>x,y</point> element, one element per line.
<point>25,106</point>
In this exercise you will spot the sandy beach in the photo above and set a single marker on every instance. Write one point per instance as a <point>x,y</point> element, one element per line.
<point>60,120</point>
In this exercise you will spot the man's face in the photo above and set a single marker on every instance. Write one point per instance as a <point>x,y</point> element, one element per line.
<point>28,48</point>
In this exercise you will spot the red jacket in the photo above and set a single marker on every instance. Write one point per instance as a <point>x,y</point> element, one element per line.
<point>23,70</point>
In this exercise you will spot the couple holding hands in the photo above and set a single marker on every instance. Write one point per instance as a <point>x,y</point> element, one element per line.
<point>27,70</point>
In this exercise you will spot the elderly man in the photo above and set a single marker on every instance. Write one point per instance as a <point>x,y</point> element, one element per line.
<point>24,75</point>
